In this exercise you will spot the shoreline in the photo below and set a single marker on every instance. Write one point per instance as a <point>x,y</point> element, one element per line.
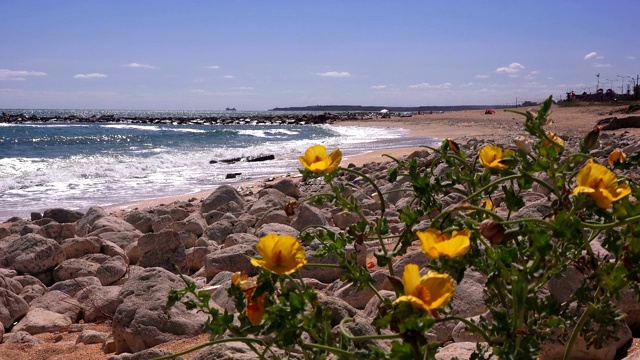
<point>453,125</point>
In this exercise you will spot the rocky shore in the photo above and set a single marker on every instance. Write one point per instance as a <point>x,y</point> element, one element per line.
<point>94,285</point>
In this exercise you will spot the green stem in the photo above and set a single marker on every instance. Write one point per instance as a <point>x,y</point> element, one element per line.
<point>470,324</point>
<point>333,266</point>
<point>598,226</point>
<point>365,337</point>
<point>531,220</point>
<point>370,181</point>
<point>576,331</point>
<point>330,349</point>
<point>210,343</point>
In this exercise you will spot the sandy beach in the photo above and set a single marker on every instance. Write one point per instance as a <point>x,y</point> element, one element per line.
<point>567,121</point>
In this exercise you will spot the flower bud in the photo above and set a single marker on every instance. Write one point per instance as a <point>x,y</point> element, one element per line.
<point>454,147</point>
<point>522,144</point>
<point>590,140</point>
<point>617,157</point>
<point>492,231</point>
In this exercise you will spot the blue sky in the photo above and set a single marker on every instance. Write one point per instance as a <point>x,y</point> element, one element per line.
<point>256,55</point>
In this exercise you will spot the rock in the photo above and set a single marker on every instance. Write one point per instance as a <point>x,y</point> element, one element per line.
<point>98,302</point>
<point>142,319</point>
<point>276,216</point>
<point>110,224</point>
<point>279,229</point>
<point>554,348</point>
<point>219,230</point>
<point>194,223</point>
<point>307,215</point>
<point>148,354</point>
<point>110,249</point>
<point>58,302</point>
<point>234,258</point>
<point>161,223</point>
<point>461,351</point>
<point>88,337</point>
<point>111,270</point>
<point>12,307</point>
<point>140,220</point>
<point>615,123</point>
<point>241,238</point>
<point>269,199</point>
<point>38,321</point>
<point>323,274</point>
<point>72,287</point>
<point>195,257</point>
<point>33,254</point>
<point>32,292</point>
<point>228,351</point>
<point>10,284</point>
<point>57,232</point>
<point>74,268</point>
<point>175,212</point>
<point>287,187</point>
<point>223,195</point>
<point>21,337</point>
<point>337,308</point>
<point>80,246</point>
<point>359,298</point>
<point>122,238</point>
<point>63,215</point>
<point>85,224</point>
<point>163,250</point>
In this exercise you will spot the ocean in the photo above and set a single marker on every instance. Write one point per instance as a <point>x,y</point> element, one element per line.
<point>78,165</point>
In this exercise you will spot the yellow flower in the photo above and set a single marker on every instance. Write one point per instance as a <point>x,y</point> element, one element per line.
<point>436,244</point>
<point>316,160</point>
<point>430,292</point>
<point>488,204</point>
<point>522,144</point>
<point>617,156</point>
<point>255,307</point>
<point>601,184</point>
<point>555,138</point>
<point>281,254</point>
<point>491,157</point>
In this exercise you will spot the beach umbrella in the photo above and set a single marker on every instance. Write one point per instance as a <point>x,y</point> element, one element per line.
<point>384,111</point>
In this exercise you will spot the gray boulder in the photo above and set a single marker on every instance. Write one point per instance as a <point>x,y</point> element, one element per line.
<point>58,302</point>
<point>98,302</point>
<point>74,268</point>
<point>12,307</point>
<point>80,246</point>
<point>164,249</point>
<point>34,254</point>
<point>288,187</point>
<point>307,215</point>
<point>63,215</point>
<point>219,197</point>
<point>85,224</point>
<point>234,258</point>
<point>38,321</point>
<point>57,231</point>
<point>142,319</point>
<point>111,270</point>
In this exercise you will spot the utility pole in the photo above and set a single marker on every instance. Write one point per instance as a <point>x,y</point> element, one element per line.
<point>598,85</point>
<point>621,87</point>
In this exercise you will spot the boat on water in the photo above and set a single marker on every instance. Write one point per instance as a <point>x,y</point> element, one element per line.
<point>230,109</point>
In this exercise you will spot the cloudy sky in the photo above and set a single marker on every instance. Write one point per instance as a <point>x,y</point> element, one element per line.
<point>256,55</point>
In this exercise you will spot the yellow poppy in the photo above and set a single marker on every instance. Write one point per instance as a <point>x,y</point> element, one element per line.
<point>281,254</point>
<point>601,184</point>
<point>491,157</point>
<point>430,292</point>
<point>617,156</point>
<point>255,307</point>
<point>316,160</point>
<point>436,244</point>
<point>555,138</point>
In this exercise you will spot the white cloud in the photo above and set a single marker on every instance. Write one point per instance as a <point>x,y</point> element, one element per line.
<point>90,76</point>
<point>591,55</point>
<point>140,66</point>
<point>334,74</point>
<point>467,85</point>
<point>379,87</point>
<point>482,76</point>
<point>598,65</point>
<point>429,86</point>
<point>214,67</point>
<point>630,57</point>
<point>228,76</point>
<point>242,88</point>
<point>6,74</point>
<point>513,68</point>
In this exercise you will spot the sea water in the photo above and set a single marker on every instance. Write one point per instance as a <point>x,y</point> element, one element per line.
<point>78,165</point>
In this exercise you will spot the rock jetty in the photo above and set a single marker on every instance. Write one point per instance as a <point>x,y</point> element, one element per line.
<point>276,119</point>
<point>63,270</point>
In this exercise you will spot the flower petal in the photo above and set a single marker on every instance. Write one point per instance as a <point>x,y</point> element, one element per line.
<point>411,278</point>
<point>441,288</point>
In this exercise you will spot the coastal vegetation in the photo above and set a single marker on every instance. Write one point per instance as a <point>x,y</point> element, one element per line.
<point>547,279</point>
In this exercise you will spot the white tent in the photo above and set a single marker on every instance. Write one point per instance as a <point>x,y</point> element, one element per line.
<point>384,111</point>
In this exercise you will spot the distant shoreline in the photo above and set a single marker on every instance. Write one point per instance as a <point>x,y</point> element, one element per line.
<point>360,108</point>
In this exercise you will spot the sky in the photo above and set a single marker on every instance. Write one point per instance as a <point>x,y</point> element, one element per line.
<point>257,55</point>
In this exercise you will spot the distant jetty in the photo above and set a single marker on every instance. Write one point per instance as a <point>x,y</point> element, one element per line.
<point>279,119</point>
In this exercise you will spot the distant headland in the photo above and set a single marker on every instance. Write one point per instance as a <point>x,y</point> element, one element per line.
<point>359,108</point>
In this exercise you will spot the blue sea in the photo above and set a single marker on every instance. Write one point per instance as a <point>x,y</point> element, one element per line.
<point>77,165</point>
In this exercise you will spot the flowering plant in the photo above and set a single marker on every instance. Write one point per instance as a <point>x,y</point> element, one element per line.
<point>466,211</point>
